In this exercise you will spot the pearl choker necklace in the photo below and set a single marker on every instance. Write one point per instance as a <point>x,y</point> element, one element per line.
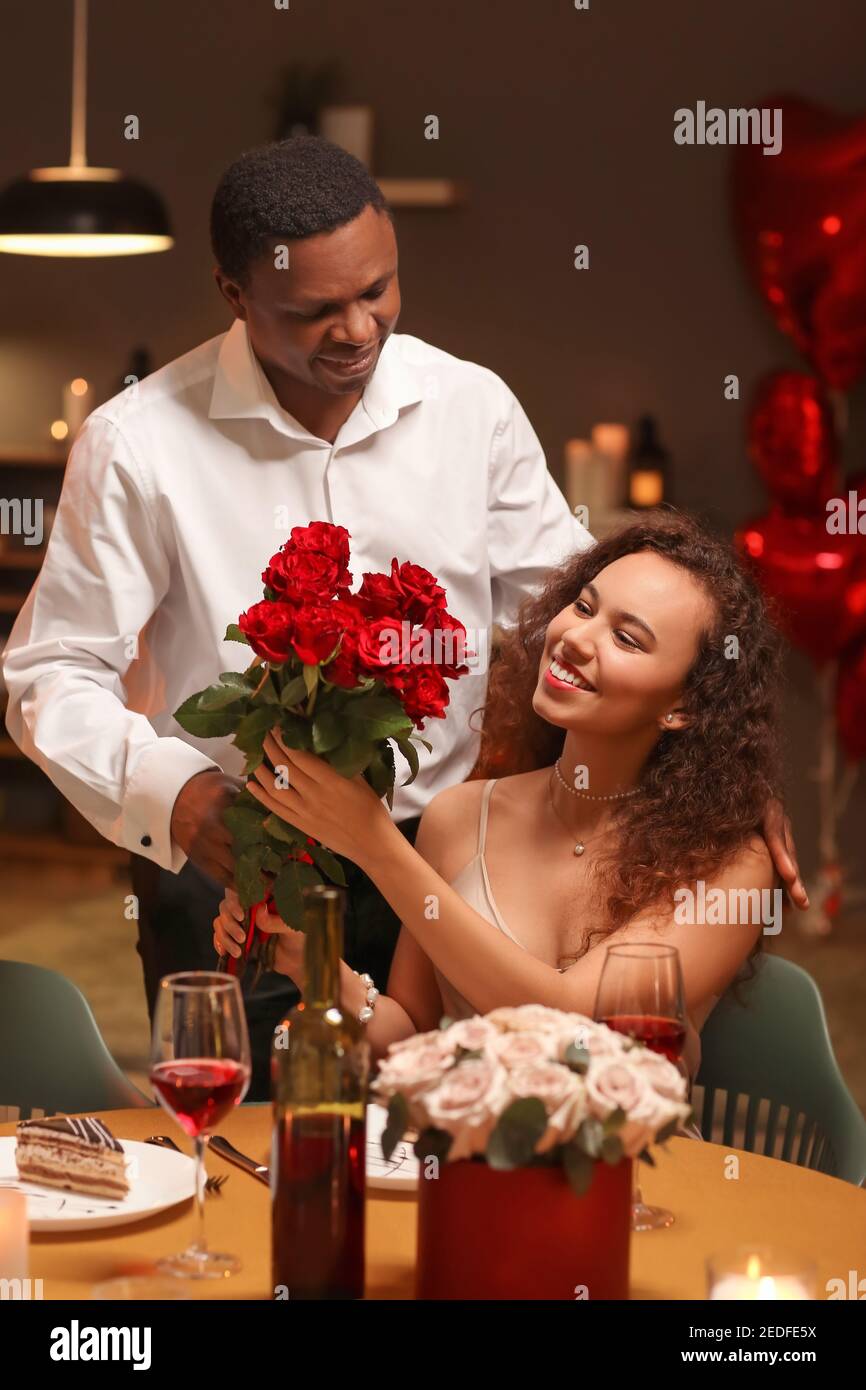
<point>573,791</point>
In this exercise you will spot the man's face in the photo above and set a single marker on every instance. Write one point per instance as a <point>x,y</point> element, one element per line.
<point>324,318</point>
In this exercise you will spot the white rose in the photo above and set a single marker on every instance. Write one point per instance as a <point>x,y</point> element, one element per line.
<point>472,1033</point>
<point>592,1037</point>
<point>561,1092</point>
<point>665,1079</point>
<point>467,1104</point>
<point>527,1018</point>
<point>612,1083</point>
<point>412,1069</point>
<point>516,1049</point>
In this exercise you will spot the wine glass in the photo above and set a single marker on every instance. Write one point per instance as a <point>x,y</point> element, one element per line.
<point>640,993</point>
<point>199,1068</point>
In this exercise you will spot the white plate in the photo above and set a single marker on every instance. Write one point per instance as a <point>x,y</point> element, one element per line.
<point>400,1173</point>
<point>158,1178</point>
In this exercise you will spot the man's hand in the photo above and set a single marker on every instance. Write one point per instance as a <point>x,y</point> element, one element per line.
<point>780,842</point>
<point>197,824</point>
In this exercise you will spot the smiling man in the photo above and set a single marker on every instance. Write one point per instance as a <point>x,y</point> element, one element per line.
<point>178,490</point>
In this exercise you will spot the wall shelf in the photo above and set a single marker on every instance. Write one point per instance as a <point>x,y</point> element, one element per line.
<point>423,193</point>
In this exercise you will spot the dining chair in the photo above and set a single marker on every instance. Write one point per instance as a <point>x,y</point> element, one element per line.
<point>53,1058</point>
<point>770,1080</point>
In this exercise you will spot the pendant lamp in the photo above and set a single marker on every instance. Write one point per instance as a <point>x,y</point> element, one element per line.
<point>77,209</point>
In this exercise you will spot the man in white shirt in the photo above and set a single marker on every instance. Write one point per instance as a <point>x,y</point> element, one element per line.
<point>178,491</point>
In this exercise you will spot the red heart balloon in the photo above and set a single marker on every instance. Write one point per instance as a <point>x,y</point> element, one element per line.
<point>800,219</point>
<point>792,440</point>
<point>816,581</point>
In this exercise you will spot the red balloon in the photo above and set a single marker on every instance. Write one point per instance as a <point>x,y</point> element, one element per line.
<point>793,442</point>
<point>817,581</point>
<point>851,702</point>
<point>800,218</point>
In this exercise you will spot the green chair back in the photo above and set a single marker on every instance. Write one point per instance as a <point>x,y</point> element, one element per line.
<point>770,1080</point>
<point>52,1055</point>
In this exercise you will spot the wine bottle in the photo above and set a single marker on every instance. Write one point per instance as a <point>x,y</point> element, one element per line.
<point>319,1070</point>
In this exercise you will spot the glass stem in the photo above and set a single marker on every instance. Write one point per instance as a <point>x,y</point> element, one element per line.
<point>200,1244</point>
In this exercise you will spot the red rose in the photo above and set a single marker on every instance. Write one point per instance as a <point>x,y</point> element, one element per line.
<point>421,690</point>
<point>447,640</point>
<point>380,645</point>
<point>318,627</point>
<point>345,669</point>
<point>325,539</point>
<point>302,575</point>
<point>379,596</point>
<point>269,628</point>
<point>417,590</point>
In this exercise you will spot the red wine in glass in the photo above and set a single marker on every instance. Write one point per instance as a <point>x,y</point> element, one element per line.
<point>200,1069</point>
<point>666,1036</point>
<point>199,1091</point>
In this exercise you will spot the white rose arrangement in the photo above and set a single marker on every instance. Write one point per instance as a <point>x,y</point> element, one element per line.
<point>530,1085</point>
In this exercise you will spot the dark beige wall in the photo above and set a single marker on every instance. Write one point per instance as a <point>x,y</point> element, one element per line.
<point>560,121</point>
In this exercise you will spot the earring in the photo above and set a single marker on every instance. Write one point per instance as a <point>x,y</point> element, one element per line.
<point>669,719</point>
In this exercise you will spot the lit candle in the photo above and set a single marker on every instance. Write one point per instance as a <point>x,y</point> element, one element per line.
<point>760,1275</point>
<point>612,441</point>
<point>13,1235</point>
<point>646,487</point>
<point>77,404</point>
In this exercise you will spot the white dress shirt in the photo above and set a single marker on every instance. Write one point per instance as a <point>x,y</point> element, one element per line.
<point>176,494</point>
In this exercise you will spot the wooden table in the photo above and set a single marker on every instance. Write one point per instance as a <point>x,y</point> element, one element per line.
<point>769,1202</point>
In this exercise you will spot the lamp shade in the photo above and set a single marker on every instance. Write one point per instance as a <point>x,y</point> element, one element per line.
<point>81,212</point>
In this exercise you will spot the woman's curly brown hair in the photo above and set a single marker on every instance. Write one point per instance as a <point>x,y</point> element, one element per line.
<point>704,788</point>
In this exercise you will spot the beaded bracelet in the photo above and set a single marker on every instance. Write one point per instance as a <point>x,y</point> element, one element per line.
<point>366,1013</point>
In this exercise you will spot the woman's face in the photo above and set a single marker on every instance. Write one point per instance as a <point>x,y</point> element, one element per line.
<point>629,641</point>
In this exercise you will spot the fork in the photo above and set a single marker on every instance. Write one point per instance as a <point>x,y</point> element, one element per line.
<point>213,1183</point>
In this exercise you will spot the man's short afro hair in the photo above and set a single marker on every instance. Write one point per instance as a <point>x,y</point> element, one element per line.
<point>288,189</point>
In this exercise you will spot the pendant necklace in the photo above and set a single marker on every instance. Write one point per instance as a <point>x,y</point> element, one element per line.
<point>581,845</point>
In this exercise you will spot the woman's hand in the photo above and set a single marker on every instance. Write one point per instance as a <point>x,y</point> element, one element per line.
<point>343,813</point>
<point>229,936</point>
<point>779,838</point>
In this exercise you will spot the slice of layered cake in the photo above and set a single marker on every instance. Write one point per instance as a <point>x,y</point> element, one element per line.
<point>80,1154</point>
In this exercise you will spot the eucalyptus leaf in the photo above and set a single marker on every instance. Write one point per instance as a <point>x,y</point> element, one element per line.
<point>576,1059</point>
<point>578,1167</point>
<point>590,1136</point>
<point>518,1130</point>
<point>611,1149</point>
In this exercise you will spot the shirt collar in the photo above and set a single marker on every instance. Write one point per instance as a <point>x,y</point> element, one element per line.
<point>241,389</point>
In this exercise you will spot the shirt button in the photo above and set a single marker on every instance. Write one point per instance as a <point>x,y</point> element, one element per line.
<point>146,841</point>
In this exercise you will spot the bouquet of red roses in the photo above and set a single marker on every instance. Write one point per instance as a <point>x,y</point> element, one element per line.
<point>340,674</point>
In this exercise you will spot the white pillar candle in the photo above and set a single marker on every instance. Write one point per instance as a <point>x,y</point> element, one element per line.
<point>767,1287</point>
<point>611,441</point>
<point>351,127</point>
<point>13,1235</point>
<point>759,1274</point>
<point>583,486</point>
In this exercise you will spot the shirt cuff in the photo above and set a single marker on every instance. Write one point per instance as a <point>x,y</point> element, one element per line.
<point>160,772</point>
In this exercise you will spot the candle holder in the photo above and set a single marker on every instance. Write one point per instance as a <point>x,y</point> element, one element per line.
<point>760,1273</point>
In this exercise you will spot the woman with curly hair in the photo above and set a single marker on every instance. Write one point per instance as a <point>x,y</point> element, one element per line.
<point>628,751</point>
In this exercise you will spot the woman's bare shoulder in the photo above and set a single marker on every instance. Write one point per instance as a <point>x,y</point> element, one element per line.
<point>448,833</point>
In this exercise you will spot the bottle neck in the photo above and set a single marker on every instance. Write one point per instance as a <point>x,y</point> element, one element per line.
<point>323,947</point>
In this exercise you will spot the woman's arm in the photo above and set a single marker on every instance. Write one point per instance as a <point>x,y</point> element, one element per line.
<point>483,964</point>
<point>412,1005</point>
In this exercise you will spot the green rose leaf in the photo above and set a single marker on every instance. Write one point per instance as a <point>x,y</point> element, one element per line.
<point>249,882</point>
<point>294,691</point>
<point>395,1126</point>
<point>410,753</point>
<point>283,831</point>
<point>234,634</point>
<point>578,1168</point>
<point>327,732</point>
<point>380,772</point>
<point>518,1130</point>
<point>328,863</point>
<point>310,677</point>
<point>206,723</point>
<point>222,695</point>
<point>287,890</point>
<point>251,731</point>
<point>246,824</point>
<point>352,756</point>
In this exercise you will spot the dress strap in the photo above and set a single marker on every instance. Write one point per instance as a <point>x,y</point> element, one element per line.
<point>482,819</point>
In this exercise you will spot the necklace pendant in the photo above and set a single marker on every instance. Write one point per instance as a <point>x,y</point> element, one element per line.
<point>579,847</point>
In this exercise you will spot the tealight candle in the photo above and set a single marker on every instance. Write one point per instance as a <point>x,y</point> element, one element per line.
<point>13,1235</point>
<point>759,1274</point>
